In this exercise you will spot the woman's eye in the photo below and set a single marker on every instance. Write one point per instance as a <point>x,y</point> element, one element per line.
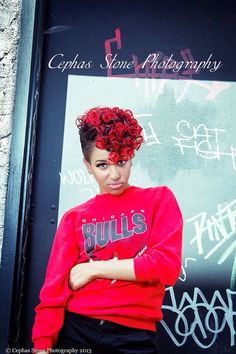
<point>101,165</point>
<point>121,162</point>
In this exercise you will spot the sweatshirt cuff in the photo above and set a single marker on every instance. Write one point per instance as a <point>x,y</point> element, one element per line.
<point>43,343</point>
<point>143,272</point>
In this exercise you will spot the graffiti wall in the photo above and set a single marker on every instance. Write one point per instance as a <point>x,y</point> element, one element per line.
<point>189,146</point>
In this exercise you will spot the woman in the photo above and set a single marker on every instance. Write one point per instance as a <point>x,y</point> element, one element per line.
<point>113,255</point>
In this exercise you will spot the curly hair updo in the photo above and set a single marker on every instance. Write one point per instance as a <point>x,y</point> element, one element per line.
<point>113,129</point>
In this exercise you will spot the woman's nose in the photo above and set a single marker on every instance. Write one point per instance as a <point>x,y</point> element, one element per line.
<point>114,172</point>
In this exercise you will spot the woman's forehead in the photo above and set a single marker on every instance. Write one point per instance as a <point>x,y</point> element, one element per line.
<point>99,154</point>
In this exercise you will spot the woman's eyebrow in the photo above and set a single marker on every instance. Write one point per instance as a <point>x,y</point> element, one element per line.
<point>101,161</point>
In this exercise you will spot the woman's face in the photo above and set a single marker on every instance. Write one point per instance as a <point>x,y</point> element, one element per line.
<point>111,178</point>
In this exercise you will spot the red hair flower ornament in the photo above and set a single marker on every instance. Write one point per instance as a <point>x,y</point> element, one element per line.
<point>117,131</point>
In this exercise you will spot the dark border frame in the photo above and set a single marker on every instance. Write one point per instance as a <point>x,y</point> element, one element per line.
<point>14,248</point>
<point>15,242</point>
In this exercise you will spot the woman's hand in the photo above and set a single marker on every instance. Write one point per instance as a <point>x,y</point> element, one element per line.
<point>80,275</point>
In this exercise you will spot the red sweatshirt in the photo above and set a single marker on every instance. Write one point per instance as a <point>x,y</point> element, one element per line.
<point>143,224</point>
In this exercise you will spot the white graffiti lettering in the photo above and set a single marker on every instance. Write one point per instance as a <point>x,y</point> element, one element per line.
<point>76,177</point>
<point>201,319</point>
<point>183,275</point>
<point>205,141</point>
<point>220,230</point>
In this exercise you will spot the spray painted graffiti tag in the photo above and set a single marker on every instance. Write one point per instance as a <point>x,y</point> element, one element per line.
<point>201,319</point>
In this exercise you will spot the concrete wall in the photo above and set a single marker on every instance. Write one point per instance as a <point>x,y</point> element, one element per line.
<point>10,11</point>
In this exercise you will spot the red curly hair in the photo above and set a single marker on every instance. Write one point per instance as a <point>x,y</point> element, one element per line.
<point>113,129</point>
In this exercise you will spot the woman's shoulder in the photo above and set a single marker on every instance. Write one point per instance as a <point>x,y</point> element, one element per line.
<point>156,193</point>
<point>162,189</point>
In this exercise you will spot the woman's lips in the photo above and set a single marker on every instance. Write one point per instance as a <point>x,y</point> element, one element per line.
<point>115,185</point>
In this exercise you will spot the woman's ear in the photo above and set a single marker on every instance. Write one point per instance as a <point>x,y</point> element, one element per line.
<point>87,164</point>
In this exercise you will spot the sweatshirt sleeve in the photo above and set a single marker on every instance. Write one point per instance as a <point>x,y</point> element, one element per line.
<point>49,313</point>
<point>162,260</point>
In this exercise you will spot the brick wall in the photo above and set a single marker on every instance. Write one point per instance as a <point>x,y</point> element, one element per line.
<point>10,11</point>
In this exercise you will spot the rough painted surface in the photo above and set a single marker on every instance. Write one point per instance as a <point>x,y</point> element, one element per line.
<point>9,36</point>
